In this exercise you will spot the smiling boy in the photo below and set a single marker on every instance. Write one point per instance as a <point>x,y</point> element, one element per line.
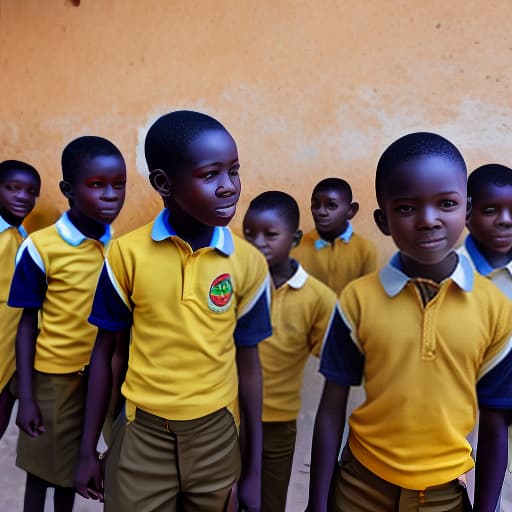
<point>430,339</point>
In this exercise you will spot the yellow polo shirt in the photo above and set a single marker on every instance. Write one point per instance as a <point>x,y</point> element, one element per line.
<point>302,311</point>
<point>10,239</point>
<point>187,310</point>
<point>336,264</point>
<point>424,368</point>
<point>57,269</point>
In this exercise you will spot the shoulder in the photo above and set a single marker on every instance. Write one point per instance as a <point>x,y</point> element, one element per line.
<point>318,290</point>
<point>367,286</point>
<point>362,242</point>
<point>245,253</point>
<point>135,237</point>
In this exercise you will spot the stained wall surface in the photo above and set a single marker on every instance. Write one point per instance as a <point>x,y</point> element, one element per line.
<point>309,89</point>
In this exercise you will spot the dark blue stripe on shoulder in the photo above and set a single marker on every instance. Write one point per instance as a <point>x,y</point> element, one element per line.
<point>494,389</point>
<point>255,325</point>
<point>108,309</point>
<point>28,286</point>
<point>341,361</point>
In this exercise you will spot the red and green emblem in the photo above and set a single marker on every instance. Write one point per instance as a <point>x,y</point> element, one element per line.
<point>221,292</point>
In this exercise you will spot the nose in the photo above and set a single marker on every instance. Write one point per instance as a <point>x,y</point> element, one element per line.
<point>321,211</point>
<point>505,217</point>
<point>109,193</point>
<point>227,185</point>
<point>259,240</point>
<point>428,218</point>
<point>22,194</point>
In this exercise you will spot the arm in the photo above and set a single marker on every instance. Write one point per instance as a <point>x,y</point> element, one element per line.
<point>491,458</point>
<point>327,435</point>
<point>29,415</point>
<point>250,398</point>
<point>107,349</point>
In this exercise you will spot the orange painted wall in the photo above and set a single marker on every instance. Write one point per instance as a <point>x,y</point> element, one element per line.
<point>309,89</point>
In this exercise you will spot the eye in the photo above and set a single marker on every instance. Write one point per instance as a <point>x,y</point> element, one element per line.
<point>95,184</point>
<point>490,210</point>
<point>208,175</point>
<point>448,203</point>
<point>120,185</point>
<point>404,208</point>
<point>12,187</point>
<point>332,206</point>
<point>234,171</point>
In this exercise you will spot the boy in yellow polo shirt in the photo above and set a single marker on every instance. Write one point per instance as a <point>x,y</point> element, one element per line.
<point>332,252</point>
<point>432,341</point>
<point>489,243</point>
<point>195,299</point>
<point>56,272</point>
<point>303,315</point>
<point>20,184</point>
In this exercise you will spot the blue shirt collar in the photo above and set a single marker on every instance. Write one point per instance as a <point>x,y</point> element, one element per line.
<point>320,243</point>
<point>70,233</point>
<point>479,260</point>
<point>222,240</point>
<point>4,225</point>
<point>393,280</point>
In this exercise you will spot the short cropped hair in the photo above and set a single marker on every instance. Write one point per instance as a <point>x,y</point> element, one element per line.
<point>282,202</point>
<point>337,184</point>
<point>489,174</point>
<point>170,135</point>
<point>7,167</point>
<point>82,149</point>
<point>409,147</point>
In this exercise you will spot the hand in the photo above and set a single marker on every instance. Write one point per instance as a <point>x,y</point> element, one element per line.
<point>249,493</point>
<point>89,471</point>
<point>29,418</point>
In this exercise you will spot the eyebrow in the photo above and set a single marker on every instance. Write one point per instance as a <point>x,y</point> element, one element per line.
<point>236,161</point>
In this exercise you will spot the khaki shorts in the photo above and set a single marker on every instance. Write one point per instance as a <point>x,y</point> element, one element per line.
<point>53,455</point>
<point>278,447</point>
<point>357,489</point>
<point>154,464</point>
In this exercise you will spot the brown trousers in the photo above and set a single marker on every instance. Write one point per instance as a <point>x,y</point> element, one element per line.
<point>278,447</point>
<point>357,489</point>
<point>158,465</point>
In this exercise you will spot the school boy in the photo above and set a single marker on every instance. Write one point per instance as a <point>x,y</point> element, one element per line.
<point>20,185</point>
<point>431,339</point>
<point>332,252</point>
<point>56,273</point>
<point>196,300</point>
<point>489,243</point>
<point>302,311</point>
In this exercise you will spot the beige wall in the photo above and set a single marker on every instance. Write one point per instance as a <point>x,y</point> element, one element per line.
<point>309,88</point>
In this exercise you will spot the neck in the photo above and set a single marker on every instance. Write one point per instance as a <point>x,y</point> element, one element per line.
<point>11,219</point>
<point>437,272</point>
<point>495,259</point>
<point>282,272</point>
<point>196,234</point>
<point>330,236</point>
<point>86,226</point>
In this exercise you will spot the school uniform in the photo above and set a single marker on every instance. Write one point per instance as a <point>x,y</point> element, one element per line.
<point>338,262</point>
<point>188,311</point>
<point>10,239</point>
<point>303,309</point>
<point>56,272</point>
<point>429,354</point>
<point>502,278</point>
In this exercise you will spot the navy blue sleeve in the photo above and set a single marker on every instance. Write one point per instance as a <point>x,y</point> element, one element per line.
<point>341,360</point>
<point>255,325</point>
<point>108,309</point>
<point>494,389</point>
<point>28,286</point>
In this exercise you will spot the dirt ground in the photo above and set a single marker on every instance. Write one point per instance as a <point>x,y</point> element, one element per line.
<point>12,480</point>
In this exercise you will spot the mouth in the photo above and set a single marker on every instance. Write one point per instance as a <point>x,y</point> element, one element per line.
<point>20,209</point>
<point>321,222</point>
<point>502,238</point>
<point>431,243</point>
<point>109,212</point>
<point>226,210</point>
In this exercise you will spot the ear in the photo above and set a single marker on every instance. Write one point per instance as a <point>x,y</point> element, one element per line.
<point>381,221</point>
<point>352,210</point>
<point>160,182</point>
<point>469,209</point>
<point>66,189</point>
<point>297,237</point>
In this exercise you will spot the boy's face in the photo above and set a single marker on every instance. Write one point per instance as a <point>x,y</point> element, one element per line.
<point>271,234</point>
<point>490,223</point>
<point>208,187</point>
<point>331,210</point>
<point>424,208</point>
<point>98,191</point>
<point>18,194</point>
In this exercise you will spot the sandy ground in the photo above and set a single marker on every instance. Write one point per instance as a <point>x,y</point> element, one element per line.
<point>12,480</point>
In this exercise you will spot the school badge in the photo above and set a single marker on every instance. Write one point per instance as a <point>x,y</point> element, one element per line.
<point>220,294</point>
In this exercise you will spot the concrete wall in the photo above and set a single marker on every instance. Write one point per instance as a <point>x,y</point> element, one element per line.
<point>309,88</point>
